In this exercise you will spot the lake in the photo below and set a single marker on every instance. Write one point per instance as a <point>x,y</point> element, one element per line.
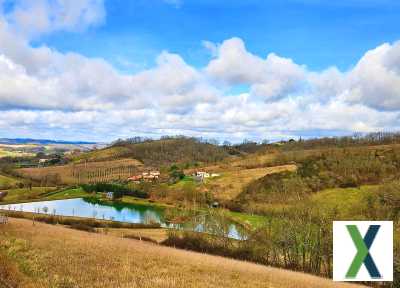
<point>131,213</point>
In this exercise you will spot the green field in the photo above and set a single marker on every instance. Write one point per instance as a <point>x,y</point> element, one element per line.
<point>6,153</point>
<point>26,195</point>
<point>7,182</point>
<point>253,221</point>
<point>65,194</point>
<point>348,202</point>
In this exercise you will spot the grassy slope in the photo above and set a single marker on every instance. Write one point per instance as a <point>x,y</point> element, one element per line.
<point>26,195</point>
<point>54,256</point>
<point>5,153</point>
<point>6,182</point>
<point>231,183</point>
<point>349,202</point>
<point>41,194</point>
<point>105,154</point>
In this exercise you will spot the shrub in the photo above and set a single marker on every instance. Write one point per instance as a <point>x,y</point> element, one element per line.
<point>141,238</point>
<point>83,227</point>
<point>119,190</point>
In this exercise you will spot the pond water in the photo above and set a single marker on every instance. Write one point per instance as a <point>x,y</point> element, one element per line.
<point>131,213</point>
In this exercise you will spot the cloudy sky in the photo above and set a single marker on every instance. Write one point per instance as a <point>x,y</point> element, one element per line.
<point>103,69</point>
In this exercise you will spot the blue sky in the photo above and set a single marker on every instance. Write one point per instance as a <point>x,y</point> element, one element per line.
<point>104,69</point>
<point>317,34</point>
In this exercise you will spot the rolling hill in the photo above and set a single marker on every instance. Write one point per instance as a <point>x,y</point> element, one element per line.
<point>159,152</point>
<point>53,256</point>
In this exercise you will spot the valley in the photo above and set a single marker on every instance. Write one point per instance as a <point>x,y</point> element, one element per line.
<point>275,197</point>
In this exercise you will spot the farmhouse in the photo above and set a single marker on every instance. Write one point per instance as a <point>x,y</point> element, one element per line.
<point>145,176</point>
<point>155,173</point>
<point>135,178</point>
<point>202,174</point>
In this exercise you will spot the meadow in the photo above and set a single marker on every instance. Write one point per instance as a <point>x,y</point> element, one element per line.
<point>7,182</point>
<point>43,255</point>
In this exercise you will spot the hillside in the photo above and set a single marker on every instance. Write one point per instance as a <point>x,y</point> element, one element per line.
<point>232,179</point>
<point>54,256</point>
<point>160,152</point>
<point>7,182</point>
<point>321,169</point>
<point>82,172</point>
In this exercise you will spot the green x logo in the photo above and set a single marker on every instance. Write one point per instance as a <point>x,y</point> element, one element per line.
<point>363,256</point>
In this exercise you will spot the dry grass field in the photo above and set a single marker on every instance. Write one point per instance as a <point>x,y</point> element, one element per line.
<point>157,235</point>
<point>85,172</point>
<point>256,160</point>
<point>231,182</point>
<point>53,256</point>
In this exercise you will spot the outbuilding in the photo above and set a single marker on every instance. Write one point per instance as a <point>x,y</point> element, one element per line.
<point>110,195</point>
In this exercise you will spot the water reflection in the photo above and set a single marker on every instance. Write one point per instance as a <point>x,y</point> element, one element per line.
<point>131,213</point>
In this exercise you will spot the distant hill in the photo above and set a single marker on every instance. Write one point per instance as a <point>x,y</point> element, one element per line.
<point>41,141</point>
<point>160,152</point>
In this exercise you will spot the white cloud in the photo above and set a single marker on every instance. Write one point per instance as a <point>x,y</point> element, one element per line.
<point>45,93</point>
<point>33,18</point>
<point>271,78</point>
<point>375,80</point>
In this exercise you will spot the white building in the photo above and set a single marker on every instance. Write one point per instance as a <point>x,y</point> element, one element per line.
<point>156,174</point>
<point>202,174</point>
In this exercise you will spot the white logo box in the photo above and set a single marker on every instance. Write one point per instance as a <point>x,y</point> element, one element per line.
<point>344,250</point>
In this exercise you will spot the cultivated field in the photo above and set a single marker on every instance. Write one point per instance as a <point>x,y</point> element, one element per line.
<point>83,172</point>
<point>6,153</point>
<point>53,256</point>
<point>231,182</point>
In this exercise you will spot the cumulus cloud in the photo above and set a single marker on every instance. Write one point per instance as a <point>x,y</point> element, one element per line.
<point>46,93</point>
<point>42,78</point>
<point>375,80</point>
<point>272,78</point>
<point>33,18</point>
<point>96,85</point>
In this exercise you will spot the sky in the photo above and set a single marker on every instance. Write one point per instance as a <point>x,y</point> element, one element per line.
<point>98,70</point>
